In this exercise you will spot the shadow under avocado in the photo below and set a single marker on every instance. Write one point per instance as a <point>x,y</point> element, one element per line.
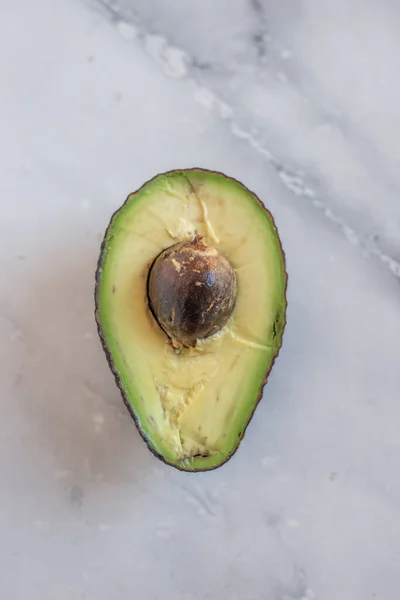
<point>70,400</point>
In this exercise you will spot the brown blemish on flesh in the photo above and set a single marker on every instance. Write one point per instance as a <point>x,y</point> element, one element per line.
<point>114,289</point>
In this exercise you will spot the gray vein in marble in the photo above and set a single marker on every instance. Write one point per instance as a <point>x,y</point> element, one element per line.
<point>112,10</point>
<point>299,182</point>
<point>260,34</point>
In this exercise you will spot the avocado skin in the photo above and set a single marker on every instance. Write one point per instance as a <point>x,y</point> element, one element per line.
<point>110,361</point>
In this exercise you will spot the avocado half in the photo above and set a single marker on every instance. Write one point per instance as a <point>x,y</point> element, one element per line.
<point>191,402</point>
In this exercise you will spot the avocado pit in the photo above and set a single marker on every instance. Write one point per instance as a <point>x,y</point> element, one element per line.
<point>192,291</point>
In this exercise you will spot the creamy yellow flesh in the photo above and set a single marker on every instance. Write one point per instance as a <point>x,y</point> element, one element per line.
<point>192,406</point>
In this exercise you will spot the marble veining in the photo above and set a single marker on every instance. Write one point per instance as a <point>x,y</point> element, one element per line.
<point>301,102</point>
<point>267,71</point>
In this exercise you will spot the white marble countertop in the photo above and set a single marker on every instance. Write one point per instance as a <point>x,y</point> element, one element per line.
<point>300,101</point>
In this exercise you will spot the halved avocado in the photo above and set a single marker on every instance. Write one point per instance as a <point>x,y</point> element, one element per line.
<point>191,392</point>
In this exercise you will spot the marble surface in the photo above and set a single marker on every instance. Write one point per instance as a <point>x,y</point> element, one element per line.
<point>300,101</point>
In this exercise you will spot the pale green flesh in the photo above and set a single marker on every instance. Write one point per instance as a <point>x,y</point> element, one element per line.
<point>198,401</point>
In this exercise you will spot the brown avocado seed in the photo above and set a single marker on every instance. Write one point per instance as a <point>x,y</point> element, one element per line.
<point>192,291</point>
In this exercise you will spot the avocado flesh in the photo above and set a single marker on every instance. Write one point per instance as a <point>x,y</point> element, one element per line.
<point>192,407</point>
